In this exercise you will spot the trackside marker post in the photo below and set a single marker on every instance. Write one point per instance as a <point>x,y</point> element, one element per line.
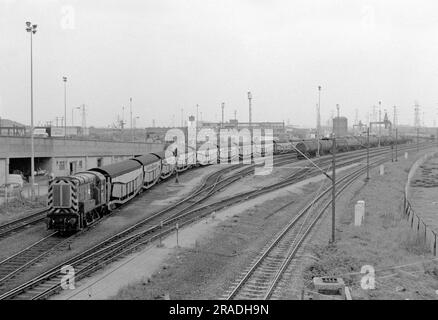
<point>161,229</point>
<point>177,240</point>
<point>359,213</point>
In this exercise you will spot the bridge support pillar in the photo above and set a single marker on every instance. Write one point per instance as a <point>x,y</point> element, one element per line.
<point>6,169</point>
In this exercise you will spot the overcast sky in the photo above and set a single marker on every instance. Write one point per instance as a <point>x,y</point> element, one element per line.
<point>174,54</point>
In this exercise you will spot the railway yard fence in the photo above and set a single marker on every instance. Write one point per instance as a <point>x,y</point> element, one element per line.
<point>423,231</point>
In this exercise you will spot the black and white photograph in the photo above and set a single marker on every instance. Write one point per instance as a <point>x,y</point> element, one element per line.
<point>226,156</point>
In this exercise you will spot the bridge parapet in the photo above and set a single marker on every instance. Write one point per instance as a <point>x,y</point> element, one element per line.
<point>19,147</point>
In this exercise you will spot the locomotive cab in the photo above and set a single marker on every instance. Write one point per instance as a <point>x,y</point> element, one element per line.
<point>75,201</point>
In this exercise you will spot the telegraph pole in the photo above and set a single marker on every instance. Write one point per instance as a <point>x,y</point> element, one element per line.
<point>396,144</point>
<point>368,154</point>
<point>318,119</point>
<point>333,178</point>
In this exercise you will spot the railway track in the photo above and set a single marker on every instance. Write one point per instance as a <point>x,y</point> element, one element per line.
<point>21,223</point>
<point>18,262</point>
<point>159,224</point>
<point>24,258</point>
<point>40,215</point>
<point>263,276</point>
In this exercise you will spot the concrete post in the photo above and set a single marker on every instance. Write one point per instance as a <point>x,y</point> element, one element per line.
<point>6,169</point>
<point>6,197</point>
<point>177,235</point>
<point>359,213</point>
<point>382,169</point>
<point>161,229</point>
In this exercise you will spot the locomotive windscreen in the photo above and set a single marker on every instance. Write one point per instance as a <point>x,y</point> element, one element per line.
<point>61,196</point>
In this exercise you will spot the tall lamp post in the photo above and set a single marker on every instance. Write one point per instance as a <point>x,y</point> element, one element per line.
<point>31,28</point>
<point>250,111</point>
<point>318,118</point>
<point>65,106</point>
